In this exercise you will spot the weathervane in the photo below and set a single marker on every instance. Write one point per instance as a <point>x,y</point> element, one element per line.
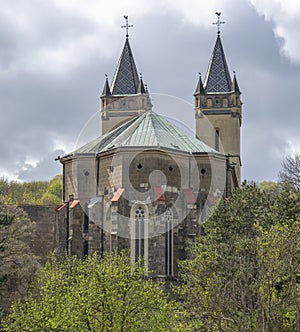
<point>218,23</point>
<point>127,26</point>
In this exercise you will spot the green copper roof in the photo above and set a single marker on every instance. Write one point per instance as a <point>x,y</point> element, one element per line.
<point>148,130</point>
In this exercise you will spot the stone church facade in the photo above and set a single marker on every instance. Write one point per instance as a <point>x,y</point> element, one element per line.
<point>145,184</point>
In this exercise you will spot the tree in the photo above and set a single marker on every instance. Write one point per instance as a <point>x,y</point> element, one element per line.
<point>94,294</point>
<point>271,187</point>
<point>278,267</point>
<point>36,192</point>
<point>291,170</point>
<point>243,273</point>
<point>17,262</point>
<point>53,194</point>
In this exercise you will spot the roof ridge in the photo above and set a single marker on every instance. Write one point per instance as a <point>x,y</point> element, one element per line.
<point>104,138</point>
<point>133,125</point>
<point>186,137</point>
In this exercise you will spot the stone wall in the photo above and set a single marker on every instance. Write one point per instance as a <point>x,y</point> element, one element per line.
<point>43,240</point>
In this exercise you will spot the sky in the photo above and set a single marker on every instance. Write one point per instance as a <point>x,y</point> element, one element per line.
<point>54,55</point>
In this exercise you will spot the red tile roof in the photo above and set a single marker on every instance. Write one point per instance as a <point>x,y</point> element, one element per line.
<point>117,195</point>
<point>74,203</point>
<point>61,207</point>
<point>189,196</point>
<point>159,194</point>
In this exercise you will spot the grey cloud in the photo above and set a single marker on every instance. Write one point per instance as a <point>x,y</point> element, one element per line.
<point>37,107</point>
<point>47,168</point>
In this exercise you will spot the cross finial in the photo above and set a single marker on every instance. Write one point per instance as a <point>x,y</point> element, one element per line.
<point>126,26</point>
<point>218,23</point>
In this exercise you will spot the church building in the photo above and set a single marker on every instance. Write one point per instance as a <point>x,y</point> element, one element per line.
<point>145,184</point>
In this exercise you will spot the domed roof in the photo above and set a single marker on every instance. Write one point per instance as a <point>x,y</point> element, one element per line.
<point>148,130</point>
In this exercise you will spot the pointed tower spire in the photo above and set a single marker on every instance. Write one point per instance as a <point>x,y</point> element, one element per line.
<point>235,86</point>
<point>217,77</point>
<point>218,102</point>
<point>126,78</point>
<point>127,95</point>
<point>141,87</point>
<point>106,88</point>
<point>199,87</point>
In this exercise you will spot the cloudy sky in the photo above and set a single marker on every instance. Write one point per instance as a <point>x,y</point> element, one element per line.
<point>54,54</point>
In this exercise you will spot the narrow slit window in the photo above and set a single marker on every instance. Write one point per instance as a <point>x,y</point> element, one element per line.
<point>169,242</point>
<point>217,140</point>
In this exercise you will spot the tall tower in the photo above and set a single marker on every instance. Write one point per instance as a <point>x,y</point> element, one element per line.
<point>127,96</point>
<point>218,107</point>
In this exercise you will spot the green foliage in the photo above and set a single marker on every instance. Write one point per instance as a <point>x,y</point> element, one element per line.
<point>272,187</point>
<point>36,192</point>
<point>94,294</point>
<point>17,263</point>
<point>243,272</point>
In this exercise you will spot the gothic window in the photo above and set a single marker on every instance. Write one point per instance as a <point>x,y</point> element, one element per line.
<point>169,242</point>
<point>209,102</point>
<point>217,140</point>
<point>139,241</point>
<point>225,102</point>
<point>139,232</point>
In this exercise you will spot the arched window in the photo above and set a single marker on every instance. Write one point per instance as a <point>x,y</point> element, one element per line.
<point>225,102</point>
<point>169,242</point>
<point>139,241</point>
<point>217,140</point>
<point>209,102</point>
<point>139,221</point>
